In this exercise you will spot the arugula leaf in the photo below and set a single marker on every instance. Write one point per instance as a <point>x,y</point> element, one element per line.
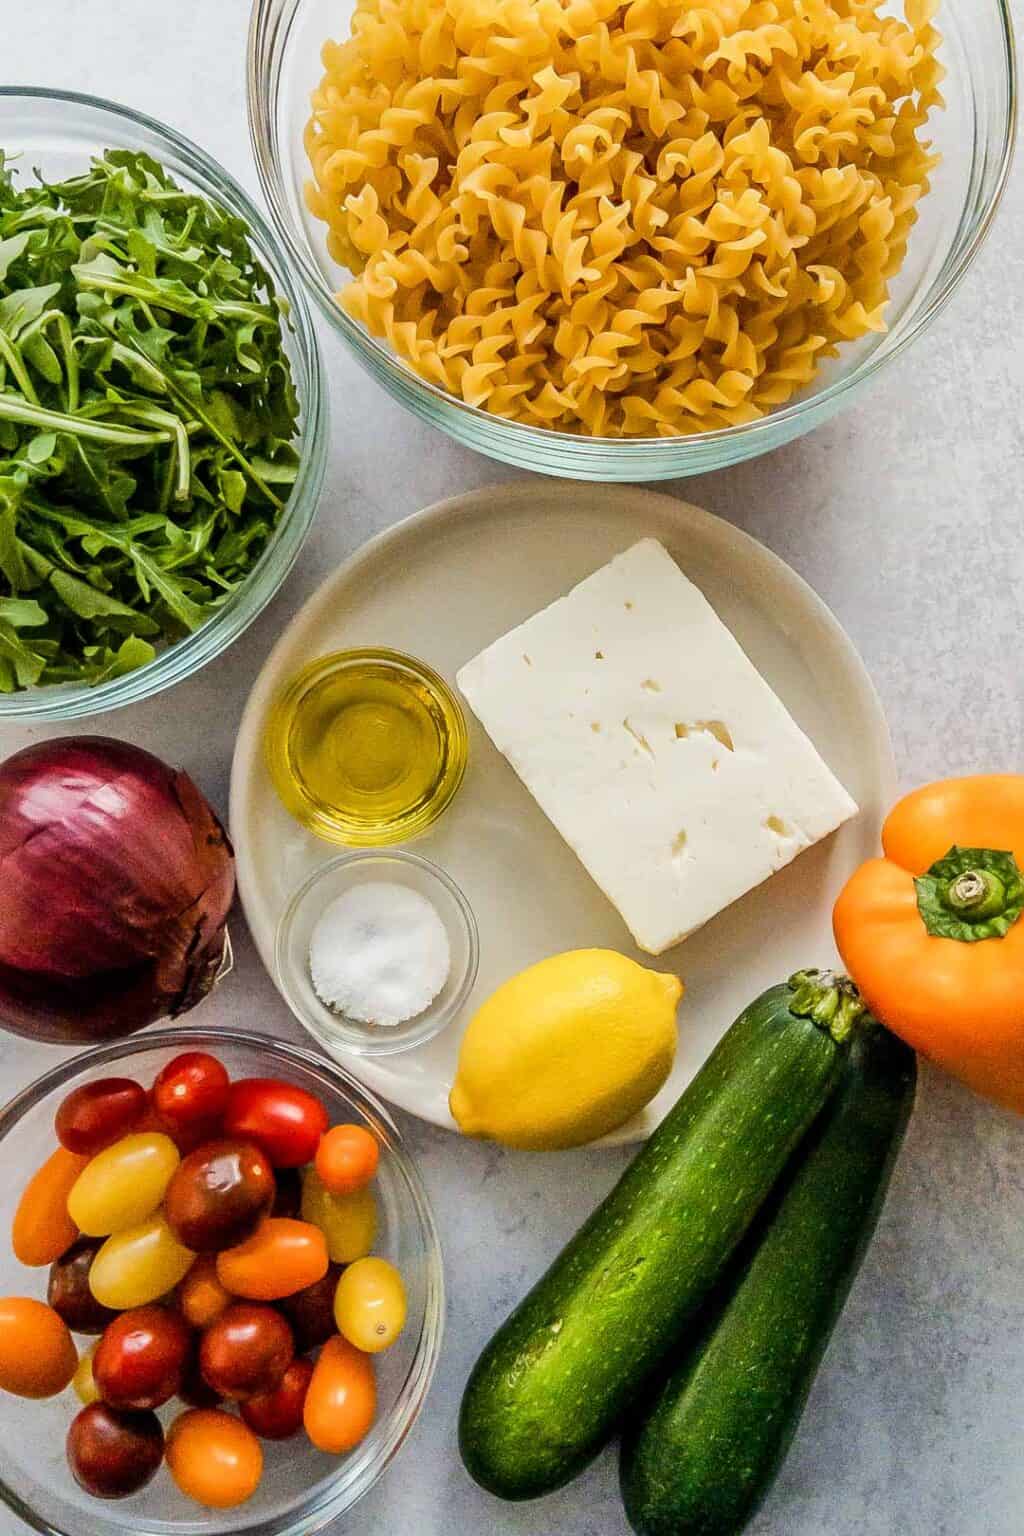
<point>148,417</point>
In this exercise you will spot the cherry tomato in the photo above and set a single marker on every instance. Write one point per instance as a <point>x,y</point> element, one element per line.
<point>348,1222</point>
<point>311,1311</point>
<point>186,1138</point>
<point>287,1122</point>
<point>280,1258</point>
<point>219,1195</point>
<point>37,1353</point>
<point>214,1459</point>
<point>342,1397</point>
<point>347,1158</point>
<point>123,1184</point>
<point>42,1229</point>
<point>277,1415</point>
<point>369,1305</point>
<point>201,1297</point>
<point>69,1292</point>
<point>193,1390</point>
<point>114,1454</point>
<point>83,1381</point>
<point>139,1265</point>
<point>93,1116</point>
<point>192,1091</point>
<point>246,1351</point>
<point>288,1199</point>
<point>141,1358</point>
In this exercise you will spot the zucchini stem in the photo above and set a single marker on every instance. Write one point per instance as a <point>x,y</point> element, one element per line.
<point>830,1001</point>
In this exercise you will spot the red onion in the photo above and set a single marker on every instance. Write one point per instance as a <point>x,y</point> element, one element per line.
<point>116,879</point>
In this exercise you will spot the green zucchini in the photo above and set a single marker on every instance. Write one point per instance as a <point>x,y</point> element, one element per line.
<point>701,1461</point>
<point>553,1384</point>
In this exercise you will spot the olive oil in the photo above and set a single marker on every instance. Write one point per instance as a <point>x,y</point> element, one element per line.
<point>367,747</point>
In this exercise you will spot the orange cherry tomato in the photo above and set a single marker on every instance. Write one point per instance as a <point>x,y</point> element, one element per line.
<point>42,1229</point>
<point>342,1398</point>
<point>214,1458</point>
<point>201,1297</point>
<point>38,1357</point>
<point>281,1257</point>
<point>347,1158</point>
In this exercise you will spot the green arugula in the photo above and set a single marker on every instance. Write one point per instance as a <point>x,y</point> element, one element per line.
<point>148,418</point>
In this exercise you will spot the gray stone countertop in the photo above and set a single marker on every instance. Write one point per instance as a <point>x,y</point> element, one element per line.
<point>905,513</point>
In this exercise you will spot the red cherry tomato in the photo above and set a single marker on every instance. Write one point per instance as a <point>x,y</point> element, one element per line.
<point>69,1292</point>
<point>287,1122</point>
<point>277,1415</point>
<point>311,1311</point>
<point>218,1195</point>
<point>246,1352</point>
<point>114,1454</point>
<point>141,1358</point>
<point>347,1158</point>
<point>192,1091</point>
<point>98,1113</point>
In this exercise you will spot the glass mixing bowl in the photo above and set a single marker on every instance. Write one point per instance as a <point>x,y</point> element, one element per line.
<point>58,132</point>
<point>302,1490</point>
<point>975,136</point>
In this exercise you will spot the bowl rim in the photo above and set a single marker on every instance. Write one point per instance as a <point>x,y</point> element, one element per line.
<point>332,1501</point>
<point>265,20</point>
<point>190,654</point>
<point>425,1027</point>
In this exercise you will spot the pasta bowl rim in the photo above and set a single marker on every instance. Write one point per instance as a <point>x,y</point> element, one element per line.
<point>271,22</point>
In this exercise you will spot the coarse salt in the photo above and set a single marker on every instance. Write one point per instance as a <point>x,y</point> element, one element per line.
<point>379,954</point>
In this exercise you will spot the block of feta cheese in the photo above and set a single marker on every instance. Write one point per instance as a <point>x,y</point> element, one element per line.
<point>654,745</point>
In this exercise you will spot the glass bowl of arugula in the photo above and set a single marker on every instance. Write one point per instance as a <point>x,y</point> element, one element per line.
<point>162,408</point>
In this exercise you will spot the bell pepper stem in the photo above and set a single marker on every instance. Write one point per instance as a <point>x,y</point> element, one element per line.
<point>971,894</point>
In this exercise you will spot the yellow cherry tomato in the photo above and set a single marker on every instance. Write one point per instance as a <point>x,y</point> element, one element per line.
<point>369,1305</point>
<point>139,1265</point>
<point>214,1458</point>
<point>348,1222</point>
<point>37,1353</point>
<point>123,1184</point>
<point>83,1381</point>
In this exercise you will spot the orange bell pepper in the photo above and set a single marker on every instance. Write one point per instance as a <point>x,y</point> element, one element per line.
<point>932,933</point>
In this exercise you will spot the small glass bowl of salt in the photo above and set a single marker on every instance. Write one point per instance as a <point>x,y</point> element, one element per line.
<point>377,952</point>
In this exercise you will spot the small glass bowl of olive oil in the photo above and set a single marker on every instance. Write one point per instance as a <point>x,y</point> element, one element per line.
<point>367,747</point>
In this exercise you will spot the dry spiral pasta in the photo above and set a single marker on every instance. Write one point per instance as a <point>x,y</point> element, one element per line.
<point>621,218</point>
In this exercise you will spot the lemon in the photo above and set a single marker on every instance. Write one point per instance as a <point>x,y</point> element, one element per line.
<point>566,1051</point>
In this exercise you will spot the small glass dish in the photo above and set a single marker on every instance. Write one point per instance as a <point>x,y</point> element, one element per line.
<point>333,1030</point>
<point>387,771</point>
<point>302,1491</point>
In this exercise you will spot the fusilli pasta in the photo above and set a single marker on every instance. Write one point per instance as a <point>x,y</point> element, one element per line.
<point>622,217</point>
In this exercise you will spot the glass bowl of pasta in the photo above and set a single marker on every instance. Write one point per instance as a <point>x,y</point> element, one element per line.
<point>623,239</point>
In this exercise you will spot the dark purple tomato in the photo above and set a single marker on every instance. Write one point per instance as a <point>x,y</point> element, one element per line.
<point>218,1195</point>
<point>277,1415</point>
<point>192,1092</point>
<point>114,1454</point>
<point>288,1199</point>
<point>93,1116</point>
<point>311,1311</point>
<point>192,1389</point>
<point>140,1360</point>
<point>68,1291</point>
<point>246,1352</point>
<point>287,1122</point>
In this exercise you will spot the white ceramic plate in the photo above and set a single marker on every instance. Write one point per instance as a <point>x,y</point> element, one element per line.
<point>449,580</point>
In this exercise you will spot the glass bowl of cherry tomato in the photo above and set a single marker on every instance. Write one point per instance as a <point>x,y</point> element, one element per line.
<point>221,1290</point>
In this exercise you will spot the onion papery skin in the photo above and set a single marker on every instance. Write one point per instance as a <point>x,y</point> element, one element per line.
<point>116,880</point>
